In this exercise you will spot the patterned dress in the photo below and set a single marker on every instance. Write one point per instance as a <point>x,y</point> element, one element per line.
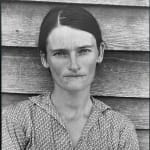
<point>35,124</point>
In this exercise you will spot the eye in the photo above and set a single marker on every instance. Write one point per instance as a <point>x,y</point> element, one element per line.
<point>60,53</point>
<point>84,51</point>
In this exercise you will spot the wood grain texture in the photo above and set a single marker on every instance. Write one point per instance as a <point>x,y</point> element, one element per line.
<point>127,106</point>
<point>123,74</point>
<point>143,136</point>
<point>141,3</point>
<point>123,28</point>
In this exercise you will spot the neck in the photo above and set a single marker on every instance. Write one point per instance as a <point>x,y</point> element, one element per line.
<point>72,104</point>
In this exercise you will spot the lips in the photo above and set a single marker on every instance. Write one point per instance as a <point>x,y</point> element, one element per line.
<point>74,75</point>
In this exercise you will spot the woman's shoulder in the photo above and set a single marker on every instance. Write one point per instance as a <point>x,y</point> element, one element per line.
<point>20,111</point>
<point>118,119</point>
<point>120,128</point>
<point>16,112</point>
<point>113,117</point>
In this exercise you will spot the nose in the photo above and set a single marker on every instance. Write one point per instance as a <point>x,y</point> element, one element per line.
<point>73,66</point>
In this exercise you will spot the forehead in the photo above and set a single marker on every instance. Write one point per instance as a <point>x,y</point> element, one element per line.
<point>67,37</point>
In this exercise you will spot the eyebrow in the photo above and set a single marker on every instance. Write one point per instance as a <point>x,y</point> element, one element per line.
<point>59,49</point>
<point>80,47</point>
<point>85,46</point>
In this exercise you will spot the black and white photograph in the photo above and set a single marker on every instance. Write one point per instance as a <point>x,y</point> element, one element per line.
<point>75,74</point>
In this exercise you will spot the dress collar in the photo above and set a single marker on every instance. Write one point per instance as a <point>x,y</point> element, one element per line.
<point>44,101</point>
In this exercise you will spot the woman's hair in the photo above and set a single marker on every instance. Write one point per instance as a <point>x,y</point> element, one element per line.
<point>72,16</point>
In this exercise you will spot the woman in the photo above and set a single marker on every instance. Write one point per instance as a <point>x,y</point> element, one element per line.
<point>71,45</point>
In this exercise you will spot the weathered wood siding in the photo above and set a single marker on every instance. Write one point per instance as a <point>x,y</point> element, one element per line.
<point>124,28</point>
<point>123,74</point>
<point>141,3</point>
<point>122,80</point>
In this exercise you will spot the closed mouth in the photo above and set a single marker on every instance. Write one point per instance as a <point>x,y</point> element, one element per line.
<point>74,76</point>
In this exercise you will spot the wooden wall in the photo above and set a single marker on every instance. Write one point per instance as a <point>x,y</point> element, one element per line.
<point>122,80</point>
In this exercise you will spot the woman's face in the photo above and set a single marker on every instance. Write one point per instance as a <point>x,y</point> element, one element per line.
<point>71,57</point>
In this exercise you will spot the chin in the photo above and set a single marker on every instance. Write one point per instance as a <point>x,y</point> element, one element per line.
<point>76,87</point>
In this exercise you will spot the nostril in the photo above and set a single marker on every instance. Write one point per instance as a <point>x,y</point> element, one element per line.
<point>73,63</point>
<point>74,67</point>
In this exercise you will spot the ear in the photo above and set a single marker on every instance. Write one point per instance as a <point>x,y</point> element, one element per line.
<point>44,60</point>
<point>101,53</point>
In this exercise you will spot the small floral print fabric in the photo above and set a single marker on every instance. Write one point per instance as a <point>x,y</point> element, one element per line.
<point>35,124</point>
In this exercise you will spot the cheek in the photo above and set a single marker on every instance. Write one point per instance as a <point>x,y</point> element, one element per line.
<point>92,68</point>
<point>56,67</point>
<point>90,64</point>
